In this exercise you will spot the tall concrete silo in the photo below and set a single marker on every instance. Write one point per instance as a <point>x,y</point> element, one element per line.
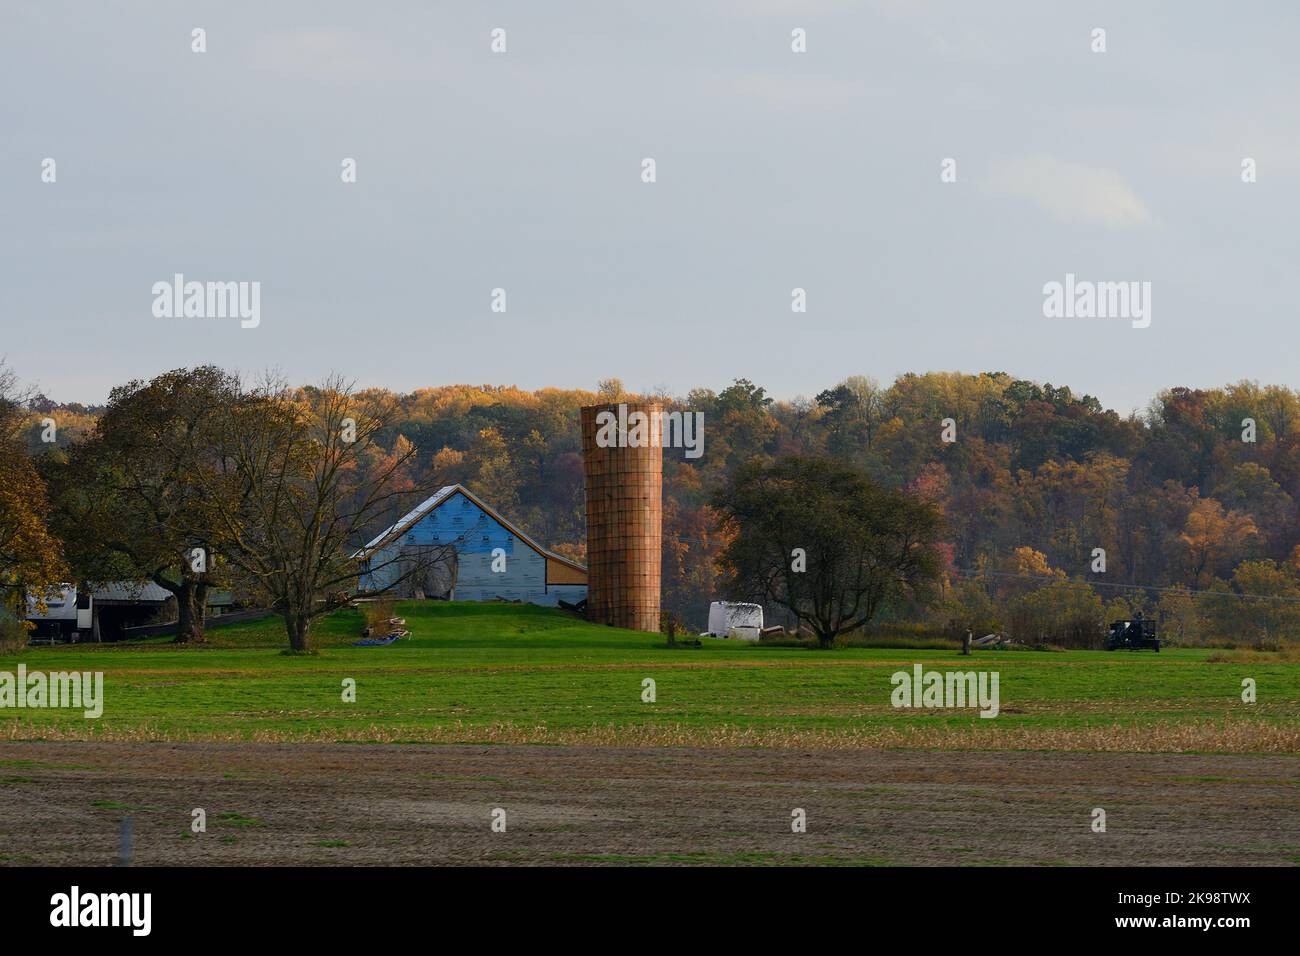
<point>624,519</point>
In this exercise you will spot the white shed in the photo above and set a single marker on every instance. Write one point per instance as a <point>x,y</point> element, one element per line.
<point>735,619</point>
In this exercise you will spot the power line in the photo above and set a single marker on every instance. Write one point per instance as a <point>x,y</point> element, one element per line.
<point>972,573</point>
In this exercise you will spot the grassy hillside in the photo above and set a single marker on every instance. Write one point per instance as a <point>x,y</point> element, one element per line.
<point>508,673</point>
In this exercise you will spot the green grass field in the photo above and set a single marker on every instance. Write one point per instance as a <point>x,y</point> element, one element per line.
<point>522,674</point>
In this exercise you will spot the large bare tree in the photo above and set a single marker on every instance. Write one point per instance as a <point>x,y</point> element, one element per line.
<point>306,483</point>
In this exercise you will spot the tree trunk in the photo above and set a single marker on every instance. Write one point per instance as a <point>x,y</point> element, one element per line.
<point>190,600</point>
<point>299,628</point>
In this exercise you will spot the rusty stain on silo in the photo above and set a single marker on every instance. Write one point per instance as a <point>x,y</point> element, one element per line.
<point>624,521</point>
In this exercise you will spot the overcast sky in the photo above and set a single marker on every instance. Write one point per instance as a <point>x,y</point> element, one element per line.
<point>775,170</point>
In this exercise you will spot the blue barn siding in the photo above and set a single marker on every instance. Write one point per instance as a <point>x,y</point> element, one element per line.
<point>475,535</point>
<point>569,593</point>
<point>386,570</point>
<point>460,522</point>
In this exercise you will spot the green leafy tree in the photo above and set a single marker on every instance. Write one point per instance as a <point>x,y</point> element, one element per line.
<point>863,545</point>
<point>135,499</point>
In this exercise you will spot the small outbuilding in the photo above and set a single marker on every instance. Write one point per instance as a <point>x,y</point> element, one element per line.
<point>99,614</point>
<point>736,619</point>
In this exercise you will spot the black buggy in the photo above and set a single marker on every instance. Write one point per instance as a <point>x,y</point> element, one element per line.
<point>1135,635</point>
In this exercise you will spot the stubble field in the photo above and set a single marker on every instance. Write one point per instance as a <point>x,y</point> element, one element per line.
<point>544,717</point>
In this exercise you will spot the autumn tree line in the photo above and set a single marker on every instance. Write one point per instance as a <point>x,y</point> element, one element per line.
<point>1051,514</point>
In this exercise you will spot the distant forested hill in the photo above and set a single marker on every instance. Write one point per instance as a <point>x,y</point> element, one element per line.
<point>1197,522</point>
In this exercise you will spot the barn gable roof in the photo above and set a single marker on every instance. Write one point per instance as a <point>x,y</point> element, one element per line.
<point>441,497</point>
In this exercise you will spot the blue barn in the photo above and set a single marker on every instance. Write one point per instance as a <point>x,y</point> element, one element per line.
<point>460,538</point>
